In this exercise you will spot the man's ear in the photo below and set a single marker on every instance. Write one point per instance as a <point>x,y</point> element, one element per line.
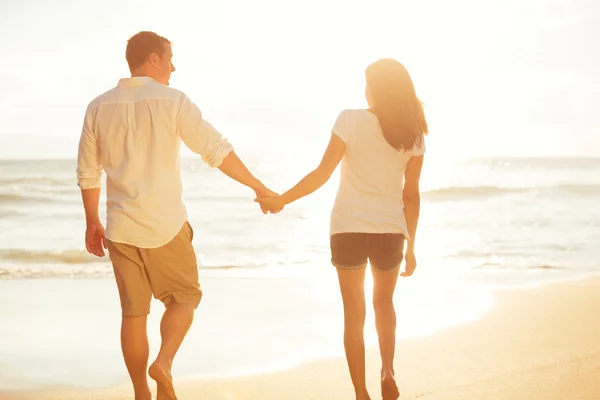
<point>153,59</point>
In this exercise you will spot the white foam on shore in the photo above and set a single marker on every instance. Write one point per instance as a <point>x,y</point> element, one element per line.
<point>66,332</point>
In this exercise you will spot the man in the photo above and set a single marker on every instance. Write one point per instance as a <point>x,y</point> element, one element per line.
<point>133,132</point>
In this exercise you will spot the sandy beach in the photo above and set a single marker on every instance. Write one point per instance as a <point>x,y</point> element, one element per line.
<point>539,343</point>
<point>505,302</point>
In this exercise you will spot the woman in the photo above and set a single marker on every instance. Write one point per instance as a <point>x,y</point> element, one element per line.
<point>376,208</point>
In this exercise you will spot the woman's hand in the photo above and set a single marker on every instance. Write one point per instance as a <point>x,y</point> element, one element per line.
<point>411,263</point>
<point>264,193</point>
<point>270,204</point>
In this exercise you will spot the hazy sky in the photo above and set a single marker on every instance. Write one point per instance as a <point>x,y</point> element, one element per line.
<point>506,77</point>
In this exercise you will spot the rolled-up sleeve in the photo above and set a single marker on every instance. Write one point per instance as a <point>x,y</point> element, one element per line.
<point>89,160</point>
<point>200,136</point>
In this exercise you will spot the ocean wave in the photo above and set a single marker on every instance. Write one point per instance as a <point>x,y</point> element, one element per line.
<point>37,180</point>
<point>104,270</point>
<point>469,191</point>
<point>12,197</point>
<point>50,197</point>
<point>20,198</point>
<point>70,195</point>
<point>7,213</point>
<point>45,273</point>
<point>466,192</point>
<point>81,256</point>
<point>229,266</point>
<point>512,250</point>
<point>50,257</point>
<point>544,266</point>
<point>100,269</point>
<point>526,267</point>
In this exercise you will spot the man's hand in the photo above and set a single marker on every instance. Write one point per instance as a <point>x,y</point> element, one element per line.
<point>411,263</point>
<point>95,241</point>
<point>271,204</point>
<point>265,193</point>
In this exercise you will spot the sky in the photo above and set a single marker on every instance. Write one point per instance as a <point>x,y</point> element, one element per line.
<point>506,78</point>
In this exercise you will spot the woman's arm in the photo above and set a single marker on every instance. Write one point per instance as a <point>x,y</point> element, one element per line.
<point>312,181</point>
<point>412,204</point>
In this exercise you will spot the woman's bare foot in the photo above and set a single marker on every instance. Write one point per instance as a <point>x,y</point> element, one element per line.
<point>389,390</point>
<point>164,382</point>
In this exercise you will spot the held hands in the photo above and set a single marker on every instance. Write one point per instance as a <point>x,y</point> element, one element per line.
<point>270,204</point>
<point>269,201</point>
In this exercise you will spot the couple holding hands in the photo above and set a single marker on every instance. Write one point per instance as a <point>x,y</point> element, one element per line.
<point>133,133</point>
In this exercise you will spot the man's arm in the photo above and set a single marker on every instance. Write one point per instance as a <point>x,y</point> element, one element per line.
<point>203,139</point>
<point>234,168</point>
<point>91,200</point>
<point>312,181</point>
<point>89,179</point>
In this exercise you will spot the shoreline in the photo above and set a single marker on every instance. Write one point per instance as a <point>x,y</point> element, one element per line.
<point>303,325</point>
<point>509,308</point>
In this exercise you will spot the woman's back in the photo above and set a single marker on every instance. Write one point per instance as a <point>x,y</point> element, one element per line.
<point>378,185</point>
<point>369,198</point>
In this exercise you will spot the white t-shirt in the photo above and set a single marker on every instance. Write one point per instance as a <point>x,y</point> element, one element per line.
<point>369,199</point>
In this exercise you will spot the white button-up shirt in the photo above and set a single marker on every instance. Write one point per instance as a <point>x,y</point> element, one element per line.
<point>133,132</point>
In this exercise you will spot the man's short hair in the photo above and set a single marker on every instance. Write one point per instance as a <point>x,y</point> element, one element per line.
<point>141,45</point>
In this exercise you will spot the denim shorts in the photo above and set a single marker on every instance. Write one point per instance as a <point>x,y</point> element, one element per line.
<point>353,250</point>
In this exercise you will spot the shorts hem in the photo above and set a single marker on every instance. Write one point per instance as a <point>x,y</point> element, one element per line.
<point>385,269</point>
<point>339,266</point>
<point>181,298</point>
<point>135,313</point>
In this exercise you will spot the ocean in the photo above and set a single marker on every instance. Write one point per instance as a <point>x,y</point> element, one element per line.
<point>270,294</point>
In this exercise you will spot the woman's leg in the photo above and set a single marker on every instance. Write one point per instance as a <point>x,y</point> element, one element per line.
<point>352,286</point>
<point>384,284</point>
<point>386,253</point>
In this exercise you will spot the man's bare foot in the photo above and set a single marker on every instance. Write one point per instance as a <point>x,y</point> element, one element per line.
<point>143,395</point>
<point>362,396</point>
<point>164,382</point>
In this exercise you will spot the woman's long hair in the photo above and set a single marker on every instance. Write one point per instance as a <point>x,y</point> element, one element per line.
<point>396,105</point>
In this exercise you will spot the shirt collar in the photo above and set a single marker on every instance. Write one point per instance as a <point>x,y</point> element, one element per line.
<point>135,81</point>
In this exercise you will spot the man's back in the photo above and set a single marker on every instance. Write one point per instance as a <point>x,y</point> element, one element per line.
<point>134,133</point>
<point>137,128</point>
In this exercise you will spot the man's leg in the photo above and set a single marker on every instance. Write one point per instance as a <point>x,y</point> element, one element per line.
<point>174,325</point>
<point>135,295</point>
<point>134,343</point>
<point>174,275</point>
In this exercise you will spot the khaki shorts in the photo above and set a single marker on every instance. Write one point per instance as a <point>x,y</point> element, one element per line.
<point>169,272</point>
